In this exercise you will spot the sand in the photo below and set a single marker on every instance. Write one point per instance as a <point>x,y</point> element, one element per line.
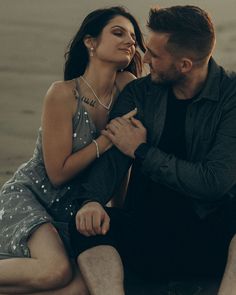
<point>34,35</point>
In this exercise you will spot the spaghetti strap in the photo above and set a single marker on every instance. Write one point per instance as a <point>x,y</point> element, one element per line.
<point>77,95</point>
<point>76,89</point>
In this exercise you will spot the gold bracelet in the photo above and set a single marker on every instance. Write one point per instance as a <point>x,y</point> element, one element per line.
<point>97,149</point>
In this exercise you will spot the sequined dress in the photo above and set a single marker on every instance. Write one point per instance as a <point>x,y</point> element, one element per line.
<point>29,199</point>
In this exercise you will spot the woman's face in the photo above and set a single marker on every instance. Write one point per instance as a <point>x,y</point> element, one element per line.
<point>116,44</point>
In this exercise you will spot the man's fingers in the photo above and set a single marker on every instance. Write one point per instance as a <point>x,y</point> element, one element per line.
<point>89,226</point>
<point>119,121</point>
<point>77,222</point>
<point>97,223</point>
<point>105,224</point>
<point>82,226</point>
<point>130,114</point>
<point>89,218</point>
<point>112,128</point>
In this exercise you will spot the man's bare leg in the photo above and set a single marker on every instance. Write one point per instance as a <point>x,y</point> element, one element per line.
<point>102,270</point>
<point>47,269</point>
<point>228,284</point>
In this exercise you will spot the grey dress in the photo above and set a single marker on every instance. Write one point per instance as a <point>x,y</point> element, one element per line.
<point>29,199</point>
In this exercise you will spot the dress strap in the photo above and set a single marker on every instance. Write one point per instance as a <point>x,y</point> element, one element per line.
<point>77,95</point>
<point>76,89</point>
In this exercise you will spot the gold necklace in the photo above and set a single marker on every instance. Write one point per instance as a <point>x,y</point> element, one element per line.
<point>107,107</point>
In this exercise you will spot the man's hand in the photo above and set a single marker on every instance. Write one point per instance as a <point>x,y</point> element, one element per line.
<point>92,220</point>
<point>126,134</point>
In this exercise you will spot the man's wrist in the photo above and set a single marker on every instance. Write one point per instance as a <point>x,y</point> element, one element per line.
<point>141,151</point>
<point>89,201</point>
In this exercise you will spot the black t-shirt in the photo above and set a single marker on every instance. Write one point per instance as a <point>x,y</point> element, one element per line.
<point>173,137</point>
<point>152,194</point>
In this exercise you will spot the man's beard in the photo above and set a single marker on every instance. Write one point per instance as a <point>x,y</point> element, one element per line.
<point>171,77</point>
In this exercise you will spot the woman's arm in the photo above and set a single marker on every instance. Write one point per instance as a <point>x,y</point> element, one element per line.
<point>57,136</point>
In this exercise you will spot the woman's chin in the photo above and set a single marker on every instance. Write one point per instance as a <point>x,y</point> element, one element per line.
<point>123,65</point>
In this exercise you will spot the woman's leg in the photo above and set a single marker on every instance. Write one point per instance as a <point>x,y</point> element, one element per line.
<point>75,287</point>
<point>47,269</point>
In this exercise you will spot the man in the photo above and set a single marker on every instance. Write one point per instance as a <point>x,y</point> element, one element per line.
<point>179,215</point>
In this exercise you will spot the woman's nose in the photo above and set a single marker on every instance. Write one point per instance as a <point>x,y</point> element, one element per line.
<point>130,40</point>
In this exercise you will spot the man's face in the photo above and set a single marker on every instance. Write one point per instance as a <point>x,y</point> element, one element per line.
<point>163,65</point>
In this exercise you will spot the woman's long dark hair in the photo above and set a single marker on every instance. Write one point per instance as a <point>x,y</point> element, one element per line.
<point>77,57</point>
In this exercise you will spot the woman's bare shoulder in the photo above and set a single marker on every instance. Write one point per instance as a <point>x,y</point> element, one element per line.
<point>123,78</point>
<point>61,91</point>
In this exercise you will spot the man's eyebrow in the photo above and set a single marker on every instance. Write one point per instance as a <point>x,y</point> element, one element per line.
<point>123,29</point>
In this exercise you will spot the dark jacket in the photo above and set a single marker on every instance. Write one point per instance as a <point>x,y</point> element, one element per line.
<point>208,176</point>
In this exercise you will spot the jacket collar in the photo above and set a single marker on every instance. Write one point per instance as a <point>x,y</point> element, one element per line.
<point>211,89</point>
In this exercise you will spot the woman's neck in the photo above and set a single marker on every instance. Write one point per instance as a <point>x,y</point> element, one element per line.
<point>101,78</point>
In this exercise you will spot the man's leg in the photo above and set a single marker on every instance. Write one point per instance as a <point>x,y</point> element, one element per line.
<point>98,257</point>
<point>228,284</point>
<point>102,270</point>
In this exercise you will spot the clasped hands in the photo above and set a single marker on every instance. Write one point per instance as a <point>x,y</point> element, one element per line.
<point>126,133</point>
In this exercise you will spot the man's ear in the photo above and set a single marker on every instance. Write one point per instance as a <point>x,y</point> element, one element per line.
<point>185,65</point>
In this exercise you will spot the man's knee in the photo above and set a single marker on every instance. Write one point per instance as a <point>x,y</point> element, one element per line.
<point>231,260</point>
<point>232,246</point>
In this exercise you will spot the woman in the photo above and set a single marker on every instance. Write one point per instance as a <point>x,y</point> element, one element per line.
<point>101,60</point>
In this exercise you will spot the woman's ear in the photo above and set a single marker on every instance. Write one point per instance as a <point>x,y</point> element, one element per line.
<point>89,43</point>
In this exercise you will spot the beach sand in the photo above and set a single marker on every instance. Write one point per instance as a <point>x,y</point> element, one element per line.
<point>34,35</point>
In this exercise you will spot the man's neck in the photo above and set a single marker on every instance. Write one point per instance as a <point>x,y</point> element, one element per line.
<point>192,84</point>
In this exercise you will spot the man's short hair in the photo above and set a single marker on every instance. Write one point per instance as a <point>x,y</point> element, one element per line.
<point>189,27</point>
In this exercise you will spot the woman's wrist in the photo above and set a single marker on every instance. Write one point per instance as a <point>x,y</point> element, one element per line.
<point>103,143</point>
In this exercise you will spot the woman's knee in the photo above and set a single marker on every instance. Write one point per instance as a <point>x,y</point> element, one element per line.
<point>52,266</point>
<point>52,277</point>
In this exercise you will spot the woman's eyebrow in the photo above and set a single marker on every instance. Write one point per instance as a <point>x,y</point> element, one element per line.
<point>123,29</point>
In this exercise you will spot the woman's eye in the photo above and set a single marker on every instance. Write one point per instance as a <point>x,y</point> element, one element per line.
<point>118,34</point>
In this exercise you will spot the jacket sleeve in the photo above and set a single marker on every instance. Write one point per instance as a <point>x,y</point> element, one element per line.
<point>206,180</point>
<point>107,172</point>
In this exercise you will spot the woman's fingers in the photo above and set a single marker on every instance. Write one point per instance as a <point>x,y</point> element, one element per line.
<point>130,114</point>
